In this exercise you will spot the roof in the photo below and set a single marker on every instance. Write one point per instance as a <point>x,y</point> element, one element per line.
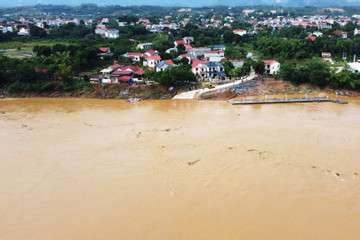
<point>151,52</point>
<point>124,78</point>
<point>196,62</point>
<point>120,72</point>
<point>153,58</point>
<point>311,37</point>
<point>103,49</point>
<point>169,61</point>
<point>213,64</point>
<point>326,53</point>
<point>239,30</point>
<point>339,32</point>
<point>115,66</point>
<point>180,42</point>
<point>139,72</point>
<point>134,54</point>
<point>221,51</point>
<point>269,61</point>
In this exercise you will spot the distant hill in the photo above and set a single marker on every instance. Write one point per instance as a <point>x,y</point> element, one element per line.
<point>199,3</point>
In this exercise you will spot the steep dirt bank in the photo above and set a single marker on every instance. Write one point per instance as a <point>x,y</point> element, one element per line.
<point>118,91</point>
<point>270,86</point>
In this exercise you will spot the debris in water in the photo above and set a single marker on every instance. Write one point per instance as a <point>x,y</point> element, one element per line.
<point>193,162</point>
<point>133,100</point>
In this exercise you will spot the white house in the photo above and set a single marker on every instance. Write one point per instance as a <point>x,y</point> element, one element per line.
<point>354,67</point>
<point>151,61</point>
<point>214,56</point>
<point>240,32</point>
<point>144,45</point>
<point>112,33</point>
<point>195,52</point>
<point>198,68</point>
<point>24,31</point>
<point>356,31</point>
<point>134,56</point>
<point>326,55</point>
<point>271,66</point>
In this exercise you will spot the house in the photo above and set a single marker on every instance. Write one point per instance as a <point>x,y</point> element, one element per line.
<point>240,32</point>
<point>237,63</point>
<point>271,66</point>
<point>312,38</point>
<point>151,53</point>
<point>214,56</point>
<point>95,78</point>
<point>184,56</point>
<point>4,28</point>
<point>103,51</point>
<point>326,55</point>
<point>112,33</point>
<point>340,33</point>
<point>354,67</point>
<point>24,31</point>
<point>199,69</point>
<point>218,47</point>
<point>188,40</point>
<point>151,61</point>
<point>106,72</point>
<point>215,71</point>
<point>144,45</point>
<point>198,52</point>
<point>356,31</point>
<point>176,43</point>
<point>164,65</point>
<point>134,56</point>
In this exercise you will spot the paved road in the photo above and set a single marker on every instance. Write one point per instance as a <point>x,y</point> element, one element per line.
<point>195,93</point>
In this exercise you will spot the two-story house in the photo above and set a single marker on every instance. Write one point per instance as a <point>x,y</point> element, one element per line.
<point>271,66</point>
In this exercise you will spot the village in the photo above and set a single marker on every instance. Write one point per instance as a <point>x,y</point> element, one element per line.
<point>214,61</point>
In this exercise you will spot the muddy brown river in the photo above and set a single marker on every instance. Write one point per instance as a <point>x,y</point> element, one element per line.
<point>107,169</point>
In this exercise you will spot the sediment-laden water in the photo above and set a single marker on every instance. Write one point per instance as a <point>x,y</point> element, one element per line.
<point>107,169</point>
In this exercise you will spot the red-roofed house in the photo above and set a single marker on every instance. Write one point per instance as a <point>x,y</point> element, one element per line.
<point>310,37</point>
<point>198,68</point>
<point>176,43</point>
<point>340,33</point>
<point>103,51</point>
<point>151,53</point>
<point>326,55</point>
<point>271,66</point>
<point>134,56</point>
<point>151,61</point>
<point>240,32</point>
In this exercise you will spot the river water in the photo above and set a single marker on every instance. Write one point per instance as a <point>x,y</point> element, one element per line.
<point>106,169</point>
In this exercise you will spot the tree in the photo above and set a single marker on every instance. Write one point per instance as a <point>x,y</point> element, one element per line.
<point>259,67</point>
<point>181,49</point>
<point>35,31</point>
<point>64,69</point>
<point>184,61</point>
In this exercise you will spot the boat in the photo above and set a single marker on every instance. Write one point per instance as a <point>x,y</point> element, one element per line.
<point>2,96</point>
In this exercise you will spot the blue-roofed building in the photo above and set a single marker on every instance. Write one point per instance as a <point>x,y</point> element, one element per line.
<point>218,47</point>
<point>164,65</point>
<point>215,71</point>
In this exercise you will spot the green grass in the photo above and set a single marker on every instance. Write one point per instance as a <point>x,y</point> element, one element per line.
<point>16,52</point>
<point>12,45</point>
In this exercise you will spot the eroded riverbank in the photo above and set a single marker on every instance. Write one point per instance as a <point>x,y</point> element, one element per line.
<point>107,169</point>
